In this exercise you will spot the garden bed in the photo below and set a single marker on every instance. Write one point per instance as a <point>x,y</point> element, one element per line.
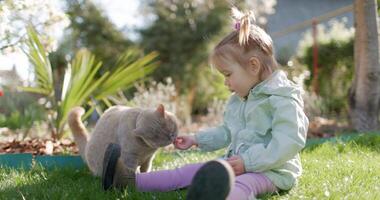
<point>319,128</point>
<point>39,147</point>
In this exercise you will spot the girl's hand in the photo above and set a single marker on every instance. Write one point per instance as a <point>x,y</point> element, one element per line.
<point>237,164</point>
<point>184,142</point>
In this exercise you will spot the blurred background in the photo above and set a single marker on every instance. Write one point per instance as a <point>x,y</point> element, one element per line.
<point>46,45</point>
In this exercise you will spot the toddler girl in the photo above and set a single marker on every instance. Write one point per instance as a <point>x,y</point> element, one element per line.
<point>264,128</point>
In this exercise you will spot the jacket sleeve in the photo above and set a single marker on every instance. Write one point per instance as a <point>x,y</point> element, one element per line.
<point>289,129</point>
<point>213,138</point>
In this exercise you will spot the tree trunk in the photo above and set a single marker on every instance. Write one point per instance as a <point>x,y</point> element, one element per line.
<point>364,97</point>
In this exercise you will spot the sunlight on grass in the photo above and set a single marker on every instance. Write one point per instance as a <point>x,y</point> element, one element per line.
<point>180,158</point>
<point>331,171</point>
<point>340,171</point>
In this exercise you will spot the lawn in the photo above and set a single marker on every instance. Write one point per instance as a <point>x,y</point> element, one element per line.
<point>332,170</point>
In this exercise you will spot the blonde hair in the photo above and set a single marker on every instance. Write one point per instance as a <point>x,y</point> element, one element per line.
<point>246,41</point>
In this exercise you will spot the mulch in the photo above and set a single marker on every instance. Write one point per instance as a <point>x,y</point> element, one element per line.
<point>39,147</point>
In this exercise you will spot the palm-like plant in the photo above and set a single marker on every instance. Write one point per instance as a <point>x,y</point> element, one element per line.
<point>81,85</point>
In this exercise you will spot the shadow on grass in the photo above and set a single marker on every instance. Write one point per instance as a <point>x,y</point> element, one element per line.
<point>60,183</point>
<point>66,183</point>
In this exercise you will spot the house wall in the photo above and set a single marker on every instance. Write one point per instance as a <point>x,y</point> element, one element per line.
<point>10,78</point>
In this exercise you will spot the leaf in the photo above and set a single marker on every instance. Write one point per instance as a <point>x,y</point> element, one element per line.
<point>129,69</point>
<point>35,90</point>
<point>38,57</point>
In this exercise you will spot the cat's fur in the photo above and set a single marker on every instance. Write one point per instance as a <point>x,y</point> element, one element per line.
<point>139,132</point>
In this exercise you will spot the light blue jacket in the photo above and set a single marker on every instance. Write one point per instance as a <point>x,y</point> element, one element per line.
<point>268,130</point>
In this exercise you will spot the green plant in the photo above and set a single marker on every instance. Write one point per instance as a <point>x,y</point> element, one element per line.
<point>335,73</point>
<point>19,110</point>
<point>80,84</point>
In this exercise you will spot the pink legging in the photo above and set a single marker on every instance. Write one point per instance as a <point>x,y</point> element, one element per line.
<point>246,185</point>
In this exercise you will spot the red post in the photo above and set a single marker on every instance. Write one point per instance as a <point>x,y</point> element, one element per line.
<point>315,84</point>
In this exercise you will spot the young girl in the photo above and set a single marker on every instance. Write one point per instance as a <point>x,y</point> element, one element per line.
<point>264,128</point>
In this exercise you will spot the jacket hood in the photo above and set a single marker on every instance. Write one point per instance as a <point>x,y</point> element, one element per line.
<point>279,85</point>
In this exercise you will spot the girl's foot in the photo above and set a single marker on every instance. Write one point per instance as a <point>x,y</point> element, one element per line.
<point>213,180</point>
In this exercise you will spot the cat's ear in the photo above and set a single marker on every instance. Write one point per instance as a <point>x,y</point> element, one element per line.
<point>161,110</point>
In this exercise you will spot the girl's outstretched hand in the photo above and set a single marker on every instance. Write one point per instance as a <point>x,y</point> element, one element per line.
<point>237,164</point>
<point>184,142</point>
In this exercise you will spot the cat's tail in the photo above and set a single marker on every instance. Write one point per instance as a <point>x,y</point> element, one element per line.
<point>79,131</point>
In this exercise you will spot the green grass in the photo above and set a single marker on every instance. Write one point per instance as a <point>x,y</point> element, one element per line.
<point>339,170</point>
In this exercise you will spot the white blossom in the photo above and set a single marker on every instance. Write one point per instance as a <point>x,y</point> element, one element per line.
<point>45,16</point>
<point>261,8</point>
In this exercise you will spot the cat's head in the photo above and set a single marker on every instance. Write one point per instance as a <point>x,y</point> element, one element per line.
<point>156,127</point>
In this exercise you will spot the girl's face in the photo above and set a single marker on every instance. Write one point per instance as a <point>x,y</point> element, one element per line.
<point>239,79</point>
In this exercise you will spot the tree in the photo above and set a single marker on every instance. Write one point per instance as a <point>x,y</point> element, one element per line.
<point>364,97</point>
<point>15,16</point>
<point>89,28</point>
<point>92,29</point>
<point>182,32</point>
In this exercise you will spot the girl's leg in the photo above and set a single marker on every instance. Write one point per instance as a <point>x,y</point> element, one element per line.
<point>250,185</point>
<point>116,174</point>
<point>167,180</point>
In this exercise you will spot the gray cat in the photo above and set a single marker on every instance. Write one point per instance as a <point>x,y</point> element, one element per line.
<point>139,132</point>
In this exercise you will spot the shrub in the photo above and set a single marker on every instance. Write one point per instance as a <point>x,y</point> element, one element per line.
<point>19,110</point>
<point>335,66</point>
<point>335,73</point>
<point>150,94</point>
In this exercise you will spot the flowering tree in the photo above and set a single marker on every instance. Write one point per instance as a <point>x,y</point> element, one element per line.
<point>16,15</point>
